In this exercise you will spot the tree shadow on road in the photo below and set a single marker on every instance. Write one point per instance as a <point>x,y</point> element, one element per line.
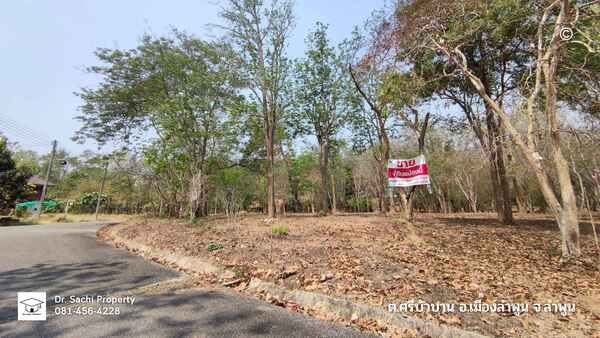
<point>188,313</point>
<point>77,279</point>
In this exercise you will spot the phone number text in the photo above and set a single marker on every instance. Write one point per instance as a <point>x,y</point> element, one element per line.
<point>87,310</point>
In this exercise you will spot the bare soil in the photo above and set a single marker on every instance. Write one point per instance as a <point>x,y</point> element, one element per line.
<point>380,260</point>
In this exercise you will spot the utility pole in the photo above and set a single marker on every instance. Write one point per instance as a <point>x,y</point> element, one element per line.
<point>48,171</point>
<point>101,189</point>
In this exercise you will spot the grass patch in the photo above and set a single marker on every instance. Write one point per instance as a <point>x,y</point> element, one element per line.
<point>242,272</point>
<point>553,252</point>
<point>399,221</point>
<point>280,230</point>
<point>214,247</point>
<point>194,224</point>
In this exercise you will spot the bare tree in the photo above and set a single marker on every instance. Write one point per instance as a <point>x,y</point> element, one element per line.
<point>466,186</point>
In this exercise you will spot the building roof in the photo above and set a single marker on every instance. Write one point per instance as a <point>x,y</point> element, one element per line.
<point>36,180</point>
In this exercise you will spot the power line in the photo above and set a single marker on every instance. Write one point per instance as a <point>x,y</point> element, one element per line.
<point>17,136</point>
<point>10,126</point>
<point>10,123</point>
<point>20,134</point>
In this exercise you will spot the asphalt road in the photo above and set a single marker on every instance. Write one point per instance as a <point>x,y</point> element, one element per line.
<point>68,260</point>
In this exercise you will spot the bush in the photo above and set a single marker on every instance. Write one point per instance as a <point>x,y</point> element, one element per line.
<point>214,247</point>
<point>64,219</point>
<point>20,212</point>
<point>8,221</point>
<point>280,230</point>
<point>359,204</point>
<point>195,222</point>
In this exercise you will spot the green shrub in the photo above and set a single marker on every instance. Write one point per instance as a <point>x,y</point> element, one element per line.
<point>20,212</point>
<point>29,221</point>
<point>359,204</point>
<point>214,247</point>
<point>280,230</point>
<point>64,219</point>
<point>8,221</point>
<point>399,221</point>
<point>195,222</point>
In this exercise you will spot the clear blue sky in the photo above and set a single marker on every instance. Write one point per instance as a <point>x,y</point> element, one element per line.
<point>46,44</point>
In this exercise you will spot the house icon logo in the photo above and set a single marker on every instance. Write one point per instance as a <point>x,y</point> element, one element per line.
<point>31,305</point>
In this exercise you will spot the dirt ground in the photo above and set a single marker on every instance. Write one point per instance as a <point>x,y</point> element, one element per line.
<point>376,260</point>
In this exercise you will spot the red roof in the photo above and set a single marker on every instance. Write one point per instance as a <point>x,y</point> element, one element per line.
<point>36,180</point>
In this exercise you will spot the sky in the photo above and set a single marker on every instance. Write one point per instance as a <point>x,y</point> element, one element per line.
<point>46,46</point>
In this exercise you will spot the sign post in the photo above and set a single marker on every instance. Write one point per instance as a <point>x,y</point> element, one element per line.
<point>408,172</point>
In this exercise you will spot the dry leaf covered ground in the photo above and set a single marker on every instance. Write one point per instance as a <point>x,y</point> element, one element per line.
<point>376,260</point>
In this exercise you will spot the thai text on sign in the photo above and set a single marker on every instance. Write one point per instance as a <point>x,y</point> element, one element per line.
<point>408,172</point>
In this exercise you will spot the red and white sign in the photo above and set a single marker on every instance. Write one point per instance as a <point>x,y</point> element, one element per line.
<point>406,173</point>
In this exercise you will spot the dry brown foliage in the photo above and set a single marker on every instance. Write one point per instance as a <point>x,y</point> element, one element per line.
<point>375,260</point>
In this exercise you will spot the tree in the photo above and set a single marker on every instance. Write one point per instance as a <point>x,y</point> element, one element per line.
<point>496,50</point>
<point>13,179</point>
<point>405,92</point>
<point>27,158</point>
<point>260,32</point>
<point>303,181</point>
<point>540,84</point>
<point>371,118</point>
<point>183,90</point>
<point>319,101</point>
<point>233,189</point>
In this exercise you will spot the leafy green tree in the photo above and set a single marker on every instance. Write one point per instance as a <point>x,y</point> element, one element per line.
<point>26,158</point>
<point>182,90</point>
<point>304,184</point>
<point>234,189</point>
<point>320,105</point>
<point>86,203</point>
<point>260,30</point>
<point>13,179</point>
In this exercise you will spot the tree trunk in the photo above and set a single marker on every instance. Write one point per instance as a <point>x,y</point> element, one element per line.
<point>519,196</point>
<point>333,196</point>
<point>407,205</point>
<point>323,164</point>
<point>381,205</point>
<point>495,185</point>
<point>269,133</point>
<point>565,210</point>
<point>383,162</point>
<point>493,147</point>
<point>498,170</point>
<point>269,120</point>
<point>568,222</point>
<point>507,215</point>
